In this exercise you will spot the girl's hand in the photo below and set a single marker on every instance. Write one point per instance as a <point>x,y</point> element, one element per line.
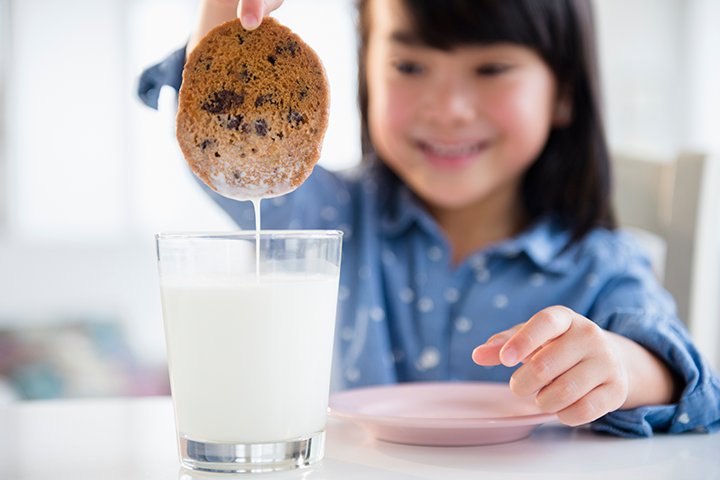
<point>578,370</point>
<point>251,12</point>
<point>215,12</point>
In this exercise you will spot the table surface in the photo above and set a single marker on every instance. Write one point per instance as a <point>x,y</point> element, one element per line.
<point>134,439</point>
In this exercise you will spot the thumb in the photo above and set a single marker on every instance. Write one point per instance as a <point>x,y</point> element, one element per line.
<point>251,12</point>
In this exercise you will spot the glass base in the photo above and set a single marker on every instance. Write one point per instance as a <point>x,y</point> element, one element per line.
<point>251,457</point>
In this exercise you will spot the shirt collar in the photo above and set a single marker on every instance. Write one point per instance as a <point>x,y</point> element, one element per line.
<point>398,207</point>
<point>544,241</point>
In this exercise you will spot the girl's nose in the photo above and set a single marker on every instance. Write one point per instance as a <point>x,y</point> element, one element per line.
<point>451,101</point>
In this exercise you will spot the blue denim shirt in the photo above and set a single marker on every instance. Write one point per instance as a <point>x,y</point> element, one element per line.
<point>407,313</point>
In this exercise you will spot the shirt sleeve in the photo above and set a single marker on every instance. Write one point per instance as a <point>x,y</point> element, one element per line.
<point>168,72</point>
<point>634,305</point>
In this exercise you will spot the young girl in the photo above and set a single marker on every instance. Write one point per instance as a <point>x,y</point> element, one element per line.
<point>479,241</point>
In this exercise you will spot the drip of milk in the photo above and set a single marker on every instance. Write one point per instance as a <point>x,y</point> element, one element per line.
<point>255,195</point>
<point>256,206</point>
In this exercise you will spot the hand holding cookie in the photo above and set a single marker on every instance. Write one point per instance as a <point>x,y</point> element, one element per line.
<point>216,12</point>
<point>253,110</point>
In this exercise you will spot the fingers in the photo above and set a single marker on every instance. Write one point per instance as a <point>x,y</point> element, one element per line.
<point>541,328</point>
<point>592,406</point>
<point>488,354</point>
<point>251,12</point>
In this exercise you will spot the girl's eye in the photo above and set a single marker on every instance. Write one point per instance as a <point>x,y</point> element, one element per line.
<point>492,69</point>
<point>408,68</point>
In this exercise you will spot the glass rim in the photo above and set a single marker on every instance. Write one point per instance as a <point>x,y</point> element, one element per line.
<point>249,234</point>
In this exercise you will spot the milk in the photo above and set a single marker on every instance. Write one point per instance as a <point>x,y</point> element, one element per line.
<point>220,331</point>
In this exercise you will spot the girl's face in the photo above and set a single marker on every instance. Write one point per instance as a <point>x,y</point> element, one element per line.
<point>459,127</point>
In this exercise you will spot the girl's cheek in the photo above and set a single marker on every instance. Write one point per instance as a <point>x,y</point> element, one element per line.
<point>398,106</point>
<point>523,113</point>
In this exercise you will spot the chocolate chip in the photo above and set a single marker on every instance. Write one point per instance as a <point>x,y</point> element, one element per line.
<point>261,127</point>
<point>207,61</point>
<point>303,94</point>
<point>243,75</point>
<point>234,122</point>
<point>236,175</point>
<point>272,59</point>
<point>205,144</point>
<point>240,39</point>
<point>263,99</point>
<point>223,101</point>
<point>295,117</point>
<point>217,154</point>
<point>289,46</point>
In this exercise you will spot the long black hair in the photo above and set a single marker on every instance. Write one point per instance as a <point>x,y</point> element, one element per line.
<point>571,177</point>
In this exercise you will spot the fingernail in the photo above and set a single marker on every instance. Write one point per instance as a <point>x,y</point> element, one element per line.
<point>508,357</point>
<point>250,21</point>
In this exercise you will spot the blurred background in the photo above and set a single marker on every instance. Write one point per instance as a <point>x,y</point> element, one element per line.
<point>88,174</point>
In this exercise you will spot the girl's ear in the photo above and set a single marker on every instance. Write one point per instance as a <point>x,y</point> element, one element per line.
<point>563,112</point>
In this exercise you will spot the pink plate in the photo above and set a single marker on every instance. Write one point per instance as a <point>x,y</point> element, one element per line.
<point>440,413</point>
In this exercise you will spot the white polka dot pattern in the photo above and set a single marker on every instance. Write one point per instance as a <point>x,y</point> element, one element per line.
<point>353,374</point>
<point>435,253</point>
<point>407,295</point>
<point>388,258</point>
<point>347,333</point>
<point>377,314</point>
<point>452,295</point>
<point>328,213</point>
<point>482,276</point>
<point>500,301</point>
<point>463,324</point>
<point>426,304</point>
<point>429,358</point>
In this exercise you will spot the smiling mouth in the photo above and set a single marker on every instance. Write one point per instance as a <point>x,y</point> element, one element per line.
<point>448,152</point>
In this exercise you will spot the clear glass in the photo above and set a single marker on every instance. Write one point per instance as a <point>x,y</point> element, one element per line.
<point>249,327</point>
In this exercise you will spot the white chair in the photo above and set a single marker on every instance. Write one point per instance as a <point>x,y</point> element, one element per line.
<point>674,210</point>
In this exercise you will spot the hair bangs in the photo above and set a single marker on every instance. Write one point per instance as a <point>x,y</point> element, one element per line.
<point>445,24</point>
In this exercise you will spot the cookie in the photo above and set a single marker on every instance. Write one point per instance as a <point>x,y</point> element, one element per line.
<point>253,110</point>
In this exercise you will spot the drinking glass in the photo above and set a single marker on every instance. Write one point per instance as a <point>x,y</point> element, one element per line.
<point>249,326</point>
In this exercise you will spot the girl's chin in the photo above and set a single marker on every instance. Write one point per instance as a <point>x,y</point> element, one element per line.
<point>443,197</point>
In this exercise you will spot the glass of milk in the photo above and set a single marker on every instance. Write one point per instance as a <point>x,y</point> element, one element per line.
<point>249,327</point>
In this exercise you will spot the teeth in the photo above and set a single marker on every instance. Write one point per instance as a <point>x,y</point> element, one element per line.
<point>452,151</point>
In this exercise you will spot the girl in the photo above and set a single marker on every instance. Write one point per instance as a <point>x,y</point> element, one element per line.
<point>479,241</point>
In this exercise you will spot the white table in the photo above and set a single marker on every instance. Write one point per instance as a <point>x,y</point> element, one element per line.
<point>134,439</point>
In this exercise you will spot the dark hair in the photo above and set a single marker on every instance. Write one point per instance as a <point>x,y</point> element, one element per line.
<point>571,177</point>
